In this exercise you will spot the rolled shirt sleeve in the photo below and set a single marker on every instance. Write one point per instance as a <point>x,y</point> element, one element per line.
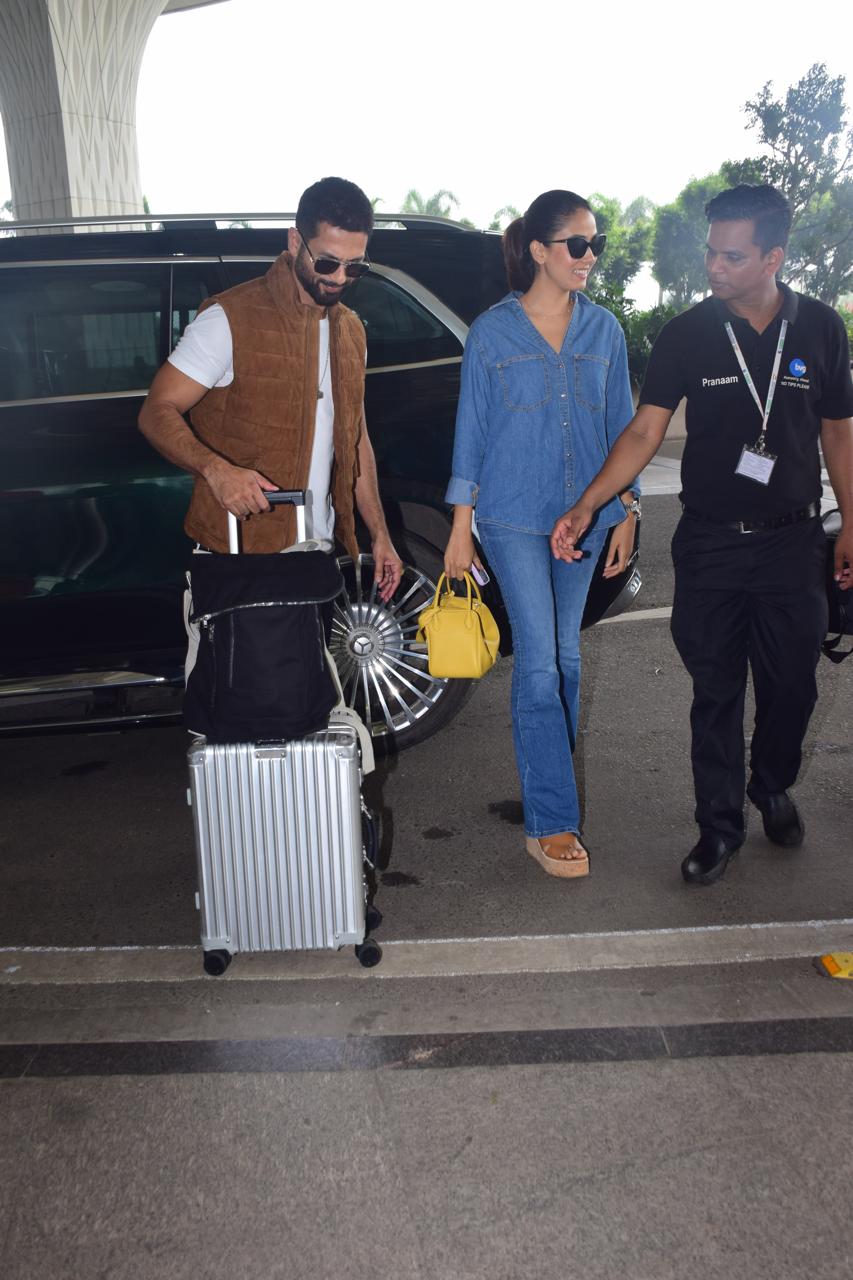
<point>469,442</point>
<point>620,401</point>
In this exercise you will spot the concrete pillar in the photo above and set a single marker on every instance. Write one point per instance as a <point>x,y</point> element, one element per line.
<point>68,79</point>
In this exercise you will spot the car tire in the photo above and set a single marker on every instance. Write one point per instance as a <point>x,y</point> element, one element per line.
<point>382,666</point>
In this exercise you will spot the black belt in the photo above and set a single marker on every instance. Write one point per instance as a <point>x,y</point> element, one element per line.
<point>753,526</point>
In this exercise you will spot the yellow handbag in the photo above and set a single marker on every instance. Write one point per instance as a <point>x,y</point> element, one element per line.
<point>461,635</point>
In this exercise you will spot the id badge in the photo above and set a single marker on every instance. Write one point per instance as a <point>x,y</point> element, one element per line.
<point>756,465</point>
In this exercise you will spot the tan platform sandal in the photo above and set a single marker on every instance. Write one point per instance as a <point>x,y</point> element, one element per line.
<point>549,853</point>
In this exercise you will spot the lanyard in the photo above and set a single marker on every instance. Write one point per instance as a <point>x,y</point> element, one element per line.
<point>763,409</point>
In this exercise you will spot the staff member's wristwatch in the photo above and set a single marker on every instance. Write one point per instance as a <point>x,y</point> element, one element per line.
<point>634,506</point>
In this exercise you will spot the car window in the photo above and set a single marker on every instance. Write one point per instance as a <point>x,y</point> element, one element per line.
<point>191,284</point>
<point>79,330</point>
<point>400,330</point>
<point>240,272</point>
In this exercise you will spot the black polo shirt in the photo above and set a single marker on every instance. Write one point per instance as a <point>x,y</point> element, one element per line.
<point>693,357</point>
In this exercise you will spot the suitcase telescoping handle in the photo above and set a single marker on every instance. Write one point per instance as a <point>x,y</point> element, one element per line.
<point>275,497</point>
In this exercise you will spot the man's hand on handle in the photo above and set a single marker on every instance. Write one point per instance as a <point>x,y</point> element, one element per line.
<point>238,489</point>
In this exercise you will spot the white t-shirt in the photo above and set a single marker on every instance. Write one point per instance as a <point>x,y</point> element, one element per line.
<point>205,353</point>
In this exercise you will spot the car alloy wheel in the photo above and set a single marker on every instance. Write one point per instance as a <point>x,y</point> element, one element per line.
<point>381,663</point>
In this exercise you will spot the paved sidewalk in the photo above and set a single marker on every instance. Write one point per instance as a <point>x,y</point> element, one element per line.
<point>663,1124</point>
<point>593,1080</point>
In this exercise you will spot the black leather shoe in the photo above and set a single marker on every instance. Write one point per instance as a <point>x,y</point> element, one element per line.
<point>708,859</point>
<point>782,822</point>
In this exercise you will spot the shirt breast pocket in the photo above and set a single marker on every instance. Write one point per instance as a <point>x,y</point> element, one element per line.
<point>525,382</point>
<point>590,380</point>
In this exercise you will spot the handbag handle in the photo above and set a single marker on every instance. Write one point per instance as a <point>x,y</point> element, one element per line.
<point>469,582</point>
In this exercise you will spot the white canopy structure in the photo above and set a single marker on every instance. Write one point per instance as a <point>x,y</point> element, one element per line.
<point>68,77</point>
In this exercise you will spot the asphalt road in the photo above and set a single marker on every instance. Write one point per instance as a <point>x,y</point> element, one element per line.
<point>96,842</point>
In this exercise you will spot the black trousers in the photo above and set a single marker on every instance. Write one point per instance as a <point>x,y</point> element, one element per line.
<point>747,600</point>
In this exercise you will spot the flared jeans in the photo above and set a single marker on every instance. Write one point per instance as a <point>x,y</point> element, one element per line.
<point>545,601</point>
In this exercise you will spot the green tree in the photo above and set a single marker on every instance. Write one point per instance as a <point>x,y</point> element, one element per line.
<point>628,241</point>
<point>734,172</point>
<point>643,328</point>
<point>810,158</point>
<point>678,240</point>
<point>820,252</point>
<point>640,209</point>
<point>502,217</point>
<point>640,327</point>
<point>439,205</point>
<point>806,135</point>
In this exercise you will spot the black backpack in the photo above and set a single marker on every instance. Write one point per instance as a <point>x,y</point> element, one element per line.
<point>261,671</point>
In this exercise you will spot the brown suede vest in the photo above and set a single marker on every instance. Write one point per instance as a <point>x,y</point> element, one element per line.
<point>264,418</point>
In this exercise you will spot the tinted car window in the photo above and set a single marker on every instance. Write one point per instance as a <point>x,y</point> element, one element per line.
<point>399,330</point>
<point>191,284</point>
<point>79,330</point>
<point>239,272</point>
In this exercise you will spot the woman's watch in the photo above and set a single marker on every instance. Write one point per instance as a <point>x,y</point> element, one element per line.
<point>633,505</point>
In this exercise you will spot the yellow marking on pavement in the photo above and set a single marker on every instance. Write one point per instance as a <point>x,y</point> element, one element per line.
<point>837,964</point>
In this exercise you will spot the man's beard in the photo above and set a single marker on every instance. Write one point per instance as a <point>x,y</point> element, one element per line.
<point>318,291</point>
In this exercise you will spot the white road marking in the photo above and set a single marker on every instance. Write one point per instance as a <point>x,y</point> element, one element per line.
<point>639,615</point>
<point>444,957</point>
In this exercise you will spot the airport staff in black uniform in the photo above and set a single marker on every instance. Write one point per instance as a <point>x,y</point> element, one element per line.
<point>766,375</point>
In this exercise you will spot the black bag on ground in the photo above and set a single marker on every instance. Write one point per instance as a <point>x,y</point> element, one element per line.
<point>840,602</point>
<point>261,670</point>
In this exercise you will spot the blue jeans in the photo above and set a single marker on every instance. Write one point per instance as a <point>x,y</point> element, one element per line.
<point>545,601</point>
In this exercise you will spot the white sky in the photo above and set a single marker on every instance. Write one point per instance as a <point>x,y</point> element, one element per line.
<point>243,104</point>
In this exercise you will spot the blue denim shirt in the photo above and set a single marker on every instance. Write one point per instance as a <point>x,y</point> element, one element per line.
<point>534,427</point>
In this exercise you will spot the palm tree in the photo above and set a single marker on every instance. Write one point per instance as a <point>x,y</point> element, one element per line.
<point>438,205</point>
<point>508,212</point>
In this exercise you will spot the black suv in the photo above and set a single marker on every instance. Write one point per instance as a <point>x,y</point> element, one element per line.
<point>92,549</point>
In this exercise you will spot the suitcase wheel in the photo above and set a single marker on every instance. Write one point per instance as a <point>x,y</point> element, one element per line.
<point>368,953</point>
<point>216,962</point>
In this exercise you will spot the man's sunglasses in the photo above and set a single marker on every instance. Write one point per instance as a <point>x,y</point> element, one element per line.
<point>578,245</point>
<point>326,266</point>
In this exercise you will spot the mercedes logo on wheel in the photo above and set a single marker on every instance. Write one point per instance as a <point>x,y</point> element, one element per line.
<point>362,645</point>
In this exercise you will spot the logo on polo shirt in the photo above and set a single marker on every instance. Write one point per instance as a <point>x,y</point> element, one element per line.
<point>796,375</point>
<point>720,382</point>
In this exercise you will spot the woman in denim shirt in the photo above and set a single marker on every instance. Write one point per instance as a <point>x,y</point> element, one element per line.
<point>545,393</point>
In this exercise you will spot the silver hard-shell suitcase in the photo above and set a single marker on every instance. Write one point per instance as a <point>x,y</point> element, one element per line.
<point>282,837</point>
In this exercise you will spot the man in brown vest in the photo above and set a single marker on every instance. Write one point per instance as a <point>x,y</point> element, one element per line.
<point>272,375</point>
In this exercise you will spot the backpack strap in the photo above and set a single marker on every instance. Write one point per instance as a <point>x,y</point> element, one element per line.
<point>342,714</point>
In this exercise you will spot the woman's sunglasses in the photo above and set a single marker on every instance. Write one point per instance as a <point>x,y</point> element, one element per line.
<point>326,266</point>
<point>578,245</point>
